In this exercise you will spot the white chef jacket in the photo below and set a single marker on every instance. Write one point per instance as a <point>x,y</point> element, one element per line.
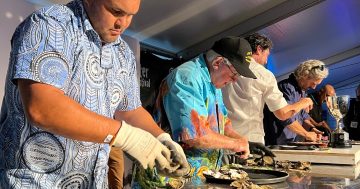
<point>245,101</point>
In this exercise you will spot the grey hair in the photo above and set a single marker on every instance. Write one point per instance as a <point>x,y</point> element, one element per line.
<point>311,69</point>
<point>211,55</point>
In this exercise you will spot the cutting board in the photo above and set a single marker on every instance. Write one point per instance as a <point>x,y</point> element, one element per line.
<point>340,156</point>
<point>338,171</point>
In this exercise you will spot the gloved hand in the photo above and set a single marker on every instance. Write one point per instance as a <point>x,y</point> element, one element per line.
<point>179,165</point>
<point>259,148</point>
<point>142,146</point>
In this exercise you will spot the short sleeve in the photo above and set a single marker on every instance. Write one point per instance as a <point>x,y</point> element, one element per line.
<point>273,97</point>
<point>185,107</point>
<point>42,51</point>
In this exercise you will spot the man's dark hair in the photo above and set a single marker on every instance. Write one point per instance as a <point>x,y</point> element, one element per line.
<point>256,39</point>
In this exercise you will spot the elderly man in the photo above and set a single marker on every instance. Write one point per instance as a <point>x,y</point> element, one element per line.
<point>317,112</point>
<point>307,75</point>
<point>69,72</point>
<point>190,104</point>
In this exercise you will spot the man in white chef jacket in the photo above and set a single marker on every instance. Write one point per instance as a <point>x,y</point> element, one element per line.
<point>245,98</point>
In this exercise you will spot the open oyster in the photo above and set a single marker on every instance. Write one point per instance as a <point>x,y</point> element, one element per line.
<point>176,184</point>
<point>245,184</point>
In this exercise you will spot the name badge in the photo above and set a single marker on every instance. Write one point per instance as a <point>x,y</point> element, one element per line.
<point>354,124</point>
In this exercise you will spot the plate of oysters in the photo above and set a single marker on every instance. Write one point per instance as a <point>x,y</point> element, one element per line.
<point>226,175</point>
<point>308,143</point>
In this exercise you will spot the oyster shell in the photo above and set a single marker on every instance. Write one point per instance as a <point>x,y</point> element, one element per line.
<point>245,184</point>
<point>302,165</point>
<point>176,184</point>
<point>268,160</point>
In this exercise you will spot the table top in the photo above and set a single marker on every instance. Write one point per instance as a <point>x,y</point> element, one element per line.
<point>294,181</point>
<point>345,156</point>
<point>321,176</point>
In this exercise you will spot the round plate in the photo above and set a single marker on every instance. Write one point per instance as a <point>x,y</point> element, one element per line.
<point>257,176</point>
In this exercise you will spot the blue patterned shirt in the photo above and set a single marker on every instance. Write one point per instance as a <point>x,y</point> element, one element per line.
<point>58,46</point>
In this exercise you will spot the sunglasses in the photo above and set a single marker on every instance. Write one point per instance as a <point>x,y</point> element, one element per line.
<point>321,67</point>
<point>234,74</point>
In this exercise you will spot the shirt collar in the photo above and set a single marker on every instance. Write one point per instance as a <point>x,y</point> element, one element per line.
<point>203,67</point>
<point>294,82</point>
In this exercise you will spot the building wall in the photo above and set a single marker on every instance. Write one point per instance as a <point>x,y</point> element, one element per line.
<point>12,13</point>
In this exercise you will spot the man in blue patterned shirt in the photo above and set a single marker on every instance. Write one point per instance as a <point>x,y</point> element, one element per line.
<point>69,72</point>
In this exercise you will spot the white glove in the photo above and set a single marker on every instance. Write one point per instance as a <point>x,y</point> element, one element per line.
<point>179,165</point>
<point>142,146</point>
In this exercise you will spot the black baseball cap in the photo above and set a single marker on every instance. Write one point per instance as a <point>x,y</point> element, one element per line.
<point>238,51</point>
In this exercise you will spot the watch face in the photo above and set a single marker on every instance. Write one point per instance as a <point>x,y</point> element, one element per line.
<point>108,139</point>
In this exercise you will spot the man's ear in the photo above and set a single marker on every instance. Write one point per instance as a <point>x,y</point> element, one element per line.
<point>258,49</point>
<point>216,62</point>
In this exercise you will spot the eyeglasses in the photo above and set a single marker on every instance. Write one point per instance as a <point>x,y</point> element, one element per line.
<point>321,67</point>
<point>234,75</point>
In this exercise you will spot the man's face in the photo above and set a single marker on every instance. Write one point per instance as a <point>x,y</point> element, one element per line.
<point>306,84</point>
<point>110,18</point>
<point>328,92</point>
<point>224,74</point>
<point>263,56</point>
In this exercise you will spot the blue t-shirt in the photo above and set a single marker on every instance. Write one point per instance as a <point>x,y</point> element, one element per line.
<point>58,46</point>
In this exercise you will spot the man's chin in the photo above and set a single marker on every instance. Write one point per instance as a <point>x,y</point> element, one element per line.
<point>110,39</point>
<point>219,86</point>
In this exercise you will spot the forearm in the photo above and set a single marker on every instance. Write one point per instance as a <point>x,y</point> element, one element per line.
<point>212,141</point>
<point>285,112</point>
<point>309,124</point>
<point>297,129</point>
<point>49,109</point>
<point>230,132</point>
<point>312,121</point>
<point>140,118</point>
<point>292,109</point>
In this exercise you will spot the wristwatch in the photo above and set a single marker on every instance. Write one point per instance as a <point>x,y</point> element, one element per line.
<point>108,139</point>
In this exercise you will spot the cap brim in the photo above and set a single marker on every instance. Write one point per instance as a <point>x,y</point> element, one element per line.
<point>243,69</point>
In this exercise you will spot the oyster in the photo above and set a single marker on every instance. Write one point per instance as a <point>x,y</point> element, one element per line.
<point>301,165</point>
<point>238,174</point>
<point>284,164</point>
<point>245,184</point>
<point>240,184</point>
<point>251,162</point>
<point>288,165</point>
<point>268,160</point>
<point>176,184</point>
<point>228,174</point>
